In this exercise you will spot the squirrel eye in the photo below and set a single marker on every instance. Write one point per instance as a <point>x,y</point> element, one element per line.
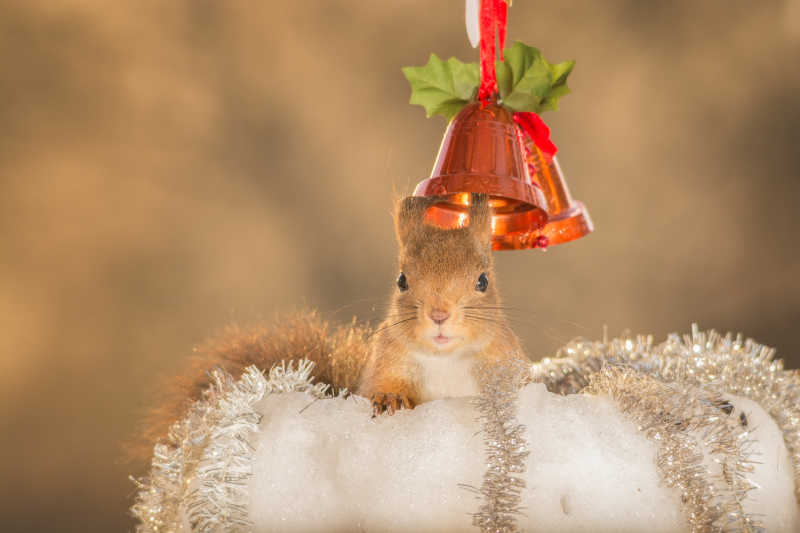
<point>402,282</point>
<point>483,283</point>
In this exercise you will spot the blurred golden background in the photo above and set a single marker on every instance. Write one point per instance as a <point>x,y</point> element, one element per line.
<point>169,167</point>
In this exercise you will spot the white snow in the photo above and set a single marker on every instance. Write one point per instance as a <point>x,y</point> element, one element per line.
<point>326,465</point>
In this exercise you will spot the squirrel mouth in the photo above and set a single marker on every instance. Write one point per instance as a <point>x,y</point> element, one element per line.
<point>442,339</point>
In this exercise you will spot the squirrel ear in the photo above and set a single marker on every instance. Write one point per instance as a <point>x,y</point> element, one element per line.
<point>409,215</point>
<point>480,217</point>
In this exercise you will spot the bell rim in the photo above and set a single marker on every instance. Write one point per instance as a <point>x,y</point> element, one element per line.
<point>498,186</point>
<point>568,225</point>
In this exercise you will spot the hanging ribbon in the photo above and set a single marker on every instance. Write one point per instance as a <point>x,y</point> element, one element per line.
<point>493,24</point>
<point>502,20</point>
<point>489,26</point>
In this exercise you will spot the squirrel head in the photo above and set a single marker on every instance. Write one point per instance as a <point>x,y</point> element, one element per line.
<point>446,293</point>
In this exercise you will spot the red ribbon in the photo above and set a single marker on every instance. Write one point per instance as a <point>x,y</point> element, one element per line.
<point>534,127</point>
<point>489,24</point>
<point>493,23</point>
<point>502,21</point>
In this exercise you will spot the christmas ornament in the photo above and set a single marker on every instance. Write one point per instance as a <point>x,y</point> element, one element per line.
<point>496,143</point>
<point>481,152</point>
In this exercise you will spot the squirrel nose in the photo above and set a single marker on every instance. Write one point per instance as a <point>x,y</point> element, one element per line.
<point>439,316</point>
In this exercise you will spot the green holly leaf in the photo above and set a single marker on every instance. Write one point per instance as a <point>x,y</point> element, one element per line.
<point>443,87</point>
<point>560,71</point>
<point>527,82</point>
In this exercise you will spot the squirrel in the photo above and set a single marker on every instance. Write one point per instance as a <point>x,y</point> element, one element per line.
<point>445,320</point>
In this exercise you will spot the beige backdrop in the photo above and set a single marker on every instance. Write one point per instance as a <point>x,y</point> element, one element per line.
<point>168,167</point>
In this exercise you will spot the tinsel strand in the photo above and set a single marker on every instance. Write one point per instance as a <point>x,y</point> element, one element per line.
<point>202,467</point>
<point>160,495</point>
<point>506,447</point>
<point>683,421</point>
<point>218,499</point>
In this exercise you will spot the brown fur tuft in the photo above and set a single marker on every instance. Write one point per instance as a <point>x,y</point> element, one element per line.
<point>339,354</point>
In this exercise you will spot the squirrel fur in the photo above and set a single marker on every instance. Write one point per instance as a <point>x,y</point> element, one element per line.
<point>445,320</point>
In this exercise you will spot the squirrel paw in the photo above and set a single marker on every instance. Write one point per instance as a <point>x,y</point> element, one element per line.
<point>389,403</point>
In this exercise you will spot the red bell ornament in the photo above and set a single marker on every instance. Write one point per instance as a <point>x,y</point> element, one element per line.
<point>482,152</point>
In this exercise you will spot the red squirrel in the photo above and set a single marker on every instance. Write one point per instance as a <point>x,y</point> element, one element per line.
<point>444,319</point>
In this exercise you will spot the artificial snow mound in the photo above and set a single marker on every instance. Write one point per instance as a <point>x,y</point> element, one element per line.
<point>326,465</point>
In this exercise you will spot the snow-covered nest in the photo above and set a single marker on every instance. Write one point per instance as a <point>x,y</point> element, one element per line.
<point>661,438</point>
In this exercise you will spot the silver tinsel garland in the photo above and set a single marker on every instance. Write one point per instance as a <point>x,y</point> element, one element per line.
<point>506,448</point>
<point>217,500</point>
<point>202,468</point>
<point>672,415</point>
